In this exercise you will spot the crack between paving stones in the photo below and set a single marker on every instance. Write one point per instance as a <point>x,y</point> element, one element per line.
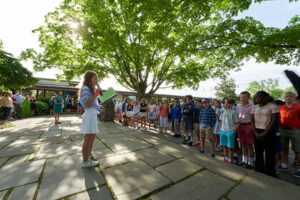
<point>236,183</point>
<point>104,143</point>
<point>39,181</point>
<point>8,193</point>
<point>36,152</point>
<point>18,186</point>
<point>147,196</point>
<point>113,194</point>
<point>77,193</point>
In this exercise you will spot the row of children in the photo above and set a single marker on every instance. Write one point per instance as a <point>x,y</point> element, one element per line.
<point>134,112</point>
<point>261,129</point>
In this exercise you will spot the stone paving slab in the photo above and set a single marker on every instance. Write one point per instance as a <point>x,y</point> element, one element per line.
<point>204,185</point>
<point>64,176</point>
<point>153,157</point>
<point>20,174</point>
<point>220,167</point>
<point>25,192</point>
<point>4,140</point>
<point>178,169</point>
<point>24,141</point>
<point>261,187</point>
<point>97,194</point>
<point>173,149</point>
<point>20,150</point>
<point>133,180</point>
<point>151,139</point>
<point>54,150</point>
<point>2,160</point>
<point>55,133</point>
<point>102,153</point>
<point>2,194</point>
<point>116,160</point>
<point>16,161</point>
<point>124,145</point>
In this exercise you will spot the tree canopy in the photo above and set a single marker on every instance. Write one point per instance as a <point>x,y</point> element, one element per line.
<point>144,44</point>
<point>13,75</point>
<point>271,86</point>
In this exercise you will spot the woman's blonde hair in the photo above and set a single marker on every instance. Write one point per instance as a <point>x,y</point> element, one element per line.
<point>8,94</point>
<point>290,94</point>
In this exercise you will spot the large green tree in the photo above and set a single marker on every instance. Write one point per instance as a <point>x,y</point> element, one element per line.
<point>144,44</point>
<point>226,88</point>
<point>13,75</point>
<point>270,85</point>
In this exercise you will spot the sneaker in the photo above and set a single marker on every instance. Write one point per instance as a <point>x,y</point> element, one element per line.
<point>201,151</point>
<point>185,142</point>
<point>196,143</point>
<point>280,168</point>
<point>212,155</point>
<point>249,167</point>
<point>235,160</point>
<point>86,164</point>
<point>178,135</point>
<point>94,163</point>
<point>190,143</point>
<point>241,164</point>
<point>297,174</point>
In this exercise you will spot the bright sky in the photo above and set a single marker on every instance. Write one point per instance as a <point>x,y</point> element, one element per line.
<point>19,18</point>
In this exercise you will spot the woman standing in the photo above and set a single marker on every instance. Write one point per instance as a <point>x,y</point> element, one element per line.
<point>152,113</point>
<point>26,110</point>
<point>129,113</point>
<point>135,115</point>
<point>89,127</point>
<point>143,113</point>
<point>7,103</point>
<point>33,105</point>
<point>57,109</point>
<point>69,103</point>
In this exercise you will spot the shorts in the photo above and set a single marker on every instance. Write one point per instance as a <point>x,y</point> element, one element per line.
<point>206,132</point>
<point>197,127</point>
<point>89,123</point>
<point>245,134</point>
<point>152,117</point>
<point>227,139</point>
<point>286,135</point>
<point>188,125</point>
<point>163,122</point>
<point>143,114</point>
<point>129,113</point>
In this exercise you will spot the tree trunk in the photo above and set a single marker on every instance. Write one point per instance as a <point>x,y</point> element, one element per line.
<point>108,114</point>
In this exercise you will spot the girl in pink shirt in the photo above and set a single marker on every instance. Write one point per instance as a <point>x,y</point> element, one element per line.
<point>164,113</point>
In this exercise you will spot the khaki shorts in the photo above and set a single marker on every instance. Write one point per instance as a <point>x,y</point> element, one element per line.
<point>197,128</point>
<point>286,135</point>
<point>143,114</point>
<point>206,132</point>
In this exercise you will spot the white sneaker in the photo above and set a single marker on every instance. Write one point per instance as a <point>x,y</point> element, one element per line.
<point>94,163</point>
<point>86,164</point>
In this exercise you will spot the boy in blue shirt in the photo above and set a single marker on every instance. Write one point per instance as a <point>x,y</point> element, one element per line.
<point>176,118</point>
<point>207,119</point>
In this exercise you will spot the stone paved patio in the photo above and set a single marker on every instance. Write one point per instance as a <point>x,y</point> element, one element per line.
<point>39,160</point>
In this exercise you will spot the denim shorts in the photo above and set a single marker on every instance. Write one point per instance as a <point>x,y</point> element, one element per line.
<point>188,125</point>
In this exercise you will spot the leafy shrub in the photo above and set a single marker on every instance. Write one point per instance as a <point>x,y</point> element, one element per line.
<point>42,108</point>
<point>45,100</point>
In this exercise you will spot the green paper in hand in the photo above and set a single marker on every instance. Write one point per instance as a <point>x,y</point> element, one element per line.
<point>107,95</point>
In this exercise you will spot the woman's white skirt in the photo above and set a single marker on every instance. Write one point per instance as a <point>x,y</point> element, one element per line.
<point>89,123</point>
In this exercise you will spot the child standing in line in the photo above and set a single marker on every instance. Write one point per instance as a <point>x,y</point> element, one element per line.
<point>229,122</point>
<point>152,113</point>
<point>216,128</point>
<point>89,127</point>
<point>188,119</point>
<point>176,118</point>
<point>207,119</point>
<point>157,112</point>
<point>198,107</point>
<point>57,109</point>
<point>135,115</point>
<point>245,132</point>
<point>129,113</point>
<point>263,120</point>
<point>164,113</point>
